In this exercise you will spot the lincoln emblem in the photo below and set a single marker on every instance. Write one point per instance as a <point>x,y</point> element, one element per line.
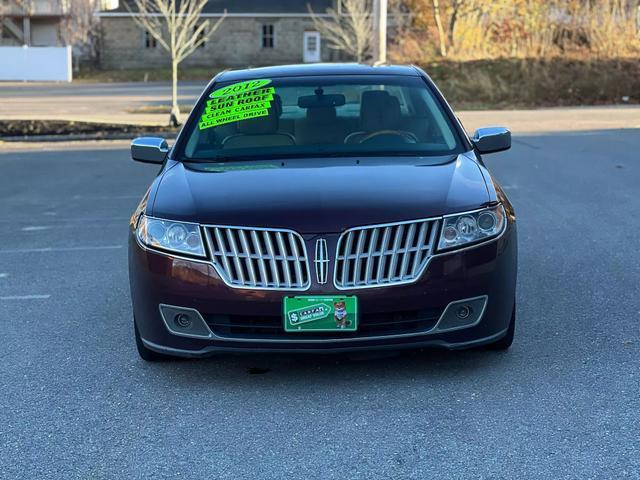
<point>321,261</point>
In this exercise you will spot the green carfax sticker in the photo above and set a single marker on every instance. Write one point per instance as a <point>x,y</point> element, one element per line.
<point>236,102</point>
<point>320,314</point>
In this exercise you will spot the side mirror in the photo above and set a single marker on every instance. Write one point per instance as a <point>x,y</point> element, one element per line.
<point>149,149</point>
<point>492,139</point>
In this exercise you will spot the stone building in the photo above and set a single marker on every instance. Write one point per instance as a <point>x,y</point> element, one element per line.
<point>254,32</point>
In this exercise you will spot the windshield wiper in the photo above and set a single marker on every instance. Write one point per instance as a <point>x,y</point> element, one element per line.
<point>316,154</point>
<point>226,159</point>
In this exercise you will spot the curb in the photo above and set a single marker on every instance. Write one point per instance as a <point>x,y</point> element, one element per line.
<point>81,137</point>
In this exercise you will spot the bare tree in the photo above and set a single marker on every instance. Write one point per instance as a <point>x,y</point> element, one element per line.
<point>438,19</point>
<point>349,29</point>
<point>177,29</point>
<point>80,28</point>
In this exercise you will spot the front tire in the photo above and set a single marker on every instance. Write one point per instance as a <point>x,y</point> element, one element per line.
<point>145,353</point>
<point>505,342</point>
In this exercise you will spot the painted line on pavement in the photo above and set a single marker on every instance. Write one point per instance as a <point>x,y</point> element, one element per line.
<point>60,249</point>
<point>34,228</point>
<point>25,297</point>
<point>107,197</point>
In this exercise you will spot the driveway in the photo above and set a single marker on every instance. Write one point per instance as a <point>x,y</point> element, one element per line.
<point>77,402</point>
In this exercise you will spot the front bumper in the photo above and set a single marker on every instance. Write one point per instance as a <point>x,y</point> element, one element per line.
<point>488,269</point>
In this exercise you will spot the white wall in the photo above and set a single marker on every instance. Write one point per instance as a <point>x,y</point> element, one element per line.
<point>35,63</point>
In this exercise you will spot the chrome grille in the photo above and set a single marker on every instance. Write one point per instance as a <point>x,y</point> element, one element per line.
<point>259,258</point>
<point>380,255</point>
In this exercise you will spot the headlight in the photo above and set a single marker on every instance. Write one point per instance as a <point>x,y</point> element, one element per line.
<point>464,228</point>
<point>169,235</point>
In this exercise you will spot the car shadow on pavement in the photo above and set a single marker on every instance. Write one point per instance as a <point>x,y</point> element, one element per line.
<point>238,371</point>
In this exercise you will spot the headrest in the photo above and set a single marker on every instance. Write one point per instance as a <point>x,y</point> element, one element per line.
<point>263,125</point>
<point>322,115</point>
<point>379,111</point>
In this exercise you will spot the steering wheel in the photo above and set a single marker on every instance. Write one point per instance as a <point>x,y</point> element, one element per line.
<point>408,137</point>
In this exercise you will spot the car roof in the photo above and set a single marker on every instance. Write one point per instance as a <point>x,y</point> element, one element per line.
<point>316,69</point>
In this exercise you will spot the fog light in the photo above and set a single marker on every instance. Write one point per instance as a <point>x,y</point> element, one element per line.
<point>182,320</point>
<point>463,312</point>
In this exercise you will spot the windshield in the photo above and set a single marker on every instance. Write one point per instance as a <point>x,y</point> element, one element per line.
<point>320,116</point>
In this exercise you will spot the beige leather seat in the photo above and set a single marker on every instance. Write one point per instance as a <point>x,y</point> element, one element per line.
<point>260,131</point>
<point>378,111</point>
<point>319,126</point>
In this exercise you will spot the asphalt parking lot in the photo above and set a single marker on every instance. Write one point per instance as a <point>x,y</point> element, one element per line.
<point>564,402</point>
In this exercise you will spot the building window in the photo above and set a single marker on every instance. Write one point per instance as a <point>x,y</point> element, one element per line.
<point>149,40</point>
<point>267,36</point>
<point>202,37</point>
<point>312,44</point>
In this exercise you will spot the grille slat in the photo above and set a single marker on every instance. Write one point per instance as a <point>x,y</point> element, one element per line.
<point>345,268</point>
<point>247,258</point>
<point>422,236</point>
<point>296,256</point>
<point>400,256</point>
<point>284,263</point>
<point>259,258</point>
<point>373,239</point>
<point>359,255</point>
<point>275,275</point>
<point>235,255</point>
<point>395,253</point>
<point>383,256</point>
<point>408,244</point>
<point>220,241</point>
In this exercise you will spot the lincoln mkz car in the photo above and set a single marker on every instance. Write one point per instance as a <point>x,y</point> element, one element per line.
<point>322,208</point>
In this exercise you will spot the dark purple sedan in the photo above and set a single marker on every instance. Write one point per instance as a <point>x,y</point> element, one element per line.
<point>322,208</point>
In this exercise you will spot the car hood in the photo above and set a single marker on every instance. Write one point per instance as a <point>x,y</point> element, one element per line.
<point>319,195</point>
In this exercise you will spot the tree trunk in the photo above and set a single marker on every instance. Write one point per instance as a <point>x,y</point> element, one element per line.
<point>452,23</point>
<point>174,117</point>
<point>441,35</point>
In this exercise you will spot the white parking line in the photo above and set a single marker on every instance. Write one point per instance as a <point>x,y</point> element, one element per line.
<point>60,249</point>
<point>107,197</point>
<point>34,228</point>
<point>25,297</point>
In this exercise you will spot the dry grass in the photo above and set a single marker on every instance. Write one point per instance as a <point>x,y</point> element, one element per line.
<point>477,29</point>
<point>526,53</point>
<point>527,83</point>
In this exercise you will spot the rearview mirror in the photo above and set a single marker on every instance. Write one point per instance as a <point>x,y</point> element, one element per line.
<point>319,101</point>
<point>149,149</point>
<point>492,139</point>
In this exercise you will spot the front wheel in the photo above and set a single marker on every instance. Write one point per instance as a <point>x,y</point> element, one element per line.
<point>145,353</point>
<point>505,342</point>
